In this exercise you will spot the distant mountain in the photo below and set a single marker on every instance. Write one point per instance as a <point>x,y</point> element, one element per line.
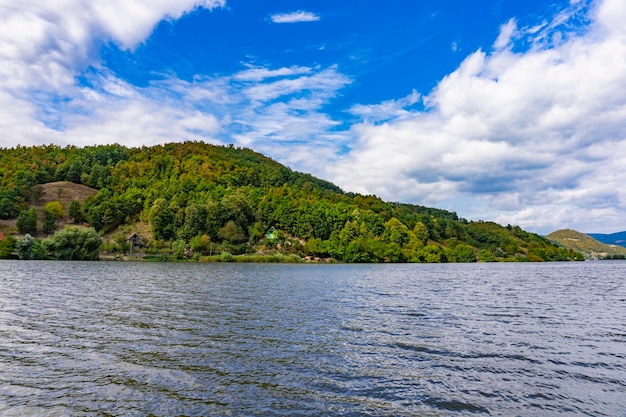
<point>618,238</point>
<point>587,245</point>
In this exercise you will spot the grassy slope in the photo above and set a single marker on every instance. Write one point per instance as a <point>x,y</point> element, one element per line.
<point>585,244</point>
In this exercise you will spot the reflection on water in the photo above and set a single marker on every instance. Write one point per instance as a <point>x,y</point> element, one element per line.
<point>136,339</point>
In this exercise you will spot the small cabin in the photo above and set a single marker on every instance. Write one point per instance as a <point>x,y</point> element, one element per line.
<point>134,240</point>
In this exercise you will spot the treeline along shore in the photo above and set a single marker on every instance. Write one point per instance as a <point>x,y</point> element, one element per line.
<point>203,202</point>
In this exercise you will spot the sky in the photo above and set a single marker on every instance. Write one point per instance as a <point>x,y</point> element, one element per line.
<point>499,110</point>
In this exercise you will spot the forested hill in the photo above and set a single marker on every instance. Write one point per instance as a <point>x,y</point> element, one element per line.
<point>193,194</point>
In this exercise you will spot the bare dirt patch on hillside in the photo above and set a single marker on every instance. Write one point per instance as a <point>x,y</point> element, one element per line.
<point>62,191</point>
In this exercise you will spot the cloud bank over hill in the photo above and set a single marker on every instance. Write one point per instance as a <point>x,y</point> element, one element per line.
<point>532,137</point>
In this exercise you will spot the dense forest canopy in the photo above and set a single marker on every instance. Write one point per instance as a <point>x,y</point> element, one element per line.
<point>194,194</point>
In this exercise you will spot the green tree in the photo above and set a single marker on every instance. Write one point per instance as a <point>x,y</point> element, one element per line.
<point>232,233</point>
<point>316,247</point>
<point>256,232</point>
<point>29,248</point>
<point>213,219</point>
<point>49,221</point>
<point>461,253</point>
<point>178,248</point>
<point>9,204</point>
<point>421,232</point>
<point>396,232</point>
<point>162,219</point>
<point>27,221</point>
<point>76,212</point>
<point>235,207</point>
<point>201,244</point>
<point>485,255</point>
<point>193,224</point>
<point>74,243</point>
<point>7,246</point>
<point>431,254</point>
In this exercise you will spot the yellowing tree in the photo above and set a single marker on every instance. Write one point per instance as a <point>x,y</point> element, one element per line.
<point>55,208</point>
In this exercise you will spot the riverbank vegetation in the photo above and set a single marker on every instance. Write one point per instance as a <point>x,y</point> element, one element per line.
<point>213,203</point>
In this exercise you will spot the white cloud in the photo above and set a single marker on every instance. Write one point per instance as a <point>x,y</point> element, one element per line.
<point>325,83</point>
<point>294,17</point>
<point>44,45</point>
<point>141,122</point>
<point>506,33</point>
<point>534,138</point>
<point>260,73</point>
<point>610,16</point>
<point>390,109</point>
<point>283,117</point>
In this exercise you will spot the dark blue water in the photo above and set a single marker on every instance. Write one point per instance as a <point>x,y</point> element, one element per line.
<point>137,339</point>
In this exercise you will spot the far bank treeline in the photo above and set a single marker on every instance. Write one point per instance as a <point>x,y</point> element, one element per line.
<point>216,199</point>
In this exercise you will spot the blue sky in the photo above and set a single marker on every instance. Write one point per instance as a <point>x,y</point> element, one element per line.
<point>499,110</point>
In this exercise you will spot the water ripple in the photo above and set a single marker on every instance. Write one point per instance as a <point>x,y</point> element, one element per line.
<point>123,339</point>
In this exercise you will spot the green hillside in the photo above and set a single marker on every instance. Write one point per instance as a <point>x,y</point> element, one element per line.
<point>588,246</point>
<point>196,200</point>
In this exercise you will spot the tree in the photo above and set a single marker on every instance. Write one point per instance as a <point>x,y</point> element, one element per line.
<point>9,204</point>
<point>161,219</point>
<point>193,223</point>
<point>49,221</point>
<point>232,233</point>
<point>7,246</point>
<point>235,207</point>
<point>74,243</point>
<point>486,255</point>
<point>201,244</point>
<point>75,212</point>
<point>213,221</point>
<point>36,192</point>
<point>430,254</point>
<point>421,232</point>
<point>27,221</point>
<point>461,253</point>
<point>178,248</point>
<point>396,232</point>
<point>29,248</point>
<point>55,208</point>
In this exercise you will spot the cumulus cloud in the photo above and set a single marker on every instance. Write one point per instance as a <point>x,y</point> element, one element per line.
<point>44,45</point>
<point>294,17</point>
<point>534,138</point>
<point>119,112</point>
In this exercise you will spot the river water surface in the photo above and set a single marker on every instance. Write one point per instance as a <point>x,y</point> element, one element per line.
<point>138,339</point>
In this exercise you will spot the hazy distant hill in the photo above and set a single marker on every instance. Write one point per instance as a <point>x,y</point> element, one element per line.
<point>588,246</point>
<point>618,238</point>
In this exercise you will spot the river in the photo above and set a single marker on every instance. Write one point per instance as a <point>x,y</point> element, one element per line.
<point>188,339</point>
